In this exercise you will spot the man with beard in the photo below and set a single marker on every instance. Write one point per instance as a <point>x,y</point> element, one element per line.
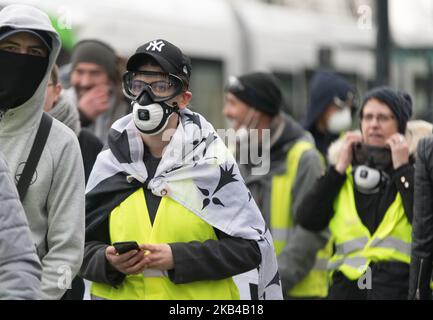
<point>95,91</point>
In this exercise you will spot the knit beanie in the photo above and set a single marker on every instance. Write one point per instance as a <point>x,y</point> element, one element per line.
<point>259,90</point>
<point>98,52</point>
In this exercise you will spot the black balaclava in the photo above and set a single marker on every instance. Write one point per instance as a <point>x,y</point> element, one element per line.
<point>20,76</point>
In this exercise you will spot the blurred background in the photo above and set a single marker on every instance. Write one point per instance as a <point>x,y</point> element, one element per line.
<point>370,42</point>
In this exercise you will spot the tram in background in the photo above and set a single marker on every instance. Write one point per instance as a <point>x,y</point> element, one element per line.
<point>226,37</point>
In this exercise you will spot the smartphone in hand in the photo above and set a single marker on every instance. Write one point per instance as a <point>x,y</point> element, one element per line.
<point>123,247</point>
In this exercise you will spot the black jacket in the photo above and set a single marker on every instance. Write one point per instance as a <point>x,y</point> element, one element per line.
<point>316,211</point>
<point>90,147</point>
<point>422,226</point>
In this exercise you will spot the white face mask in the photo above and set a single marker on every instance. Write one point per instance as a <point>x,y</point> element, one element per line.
<point>339,121</point>
<point>242,140</point>
<point>153,118</point>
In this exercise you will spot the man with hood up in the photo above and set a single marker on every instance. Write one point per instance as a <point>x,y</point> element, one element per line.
<point>330,108</point>
<point>54,202</point>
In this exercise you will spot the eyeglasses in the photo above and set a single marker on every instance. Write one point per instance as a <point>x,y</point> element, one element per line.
<point>381,118</point>
<point>163,86</point>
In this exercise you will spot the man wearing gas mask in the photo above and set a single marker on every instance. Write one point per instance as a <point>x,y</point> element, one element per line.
<point>366,199</point>
<point>53,192</point>
<point>330,108</point>
<point>168,183</point>
<point>253,102</point>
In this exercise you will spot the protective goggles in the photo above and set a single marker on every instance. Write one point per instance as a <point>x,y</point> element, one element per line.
<point>161,86</point>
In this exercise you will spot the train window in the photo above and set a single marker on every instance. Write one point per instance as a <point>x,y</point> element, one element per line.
<point>286,81</point>
<point>423,99</point>
<point>207,90</point>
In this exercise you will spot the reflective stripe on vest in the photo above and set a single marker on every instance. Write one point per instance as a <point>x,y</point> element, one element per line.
<point>355,248</point>
<point>173,223</point>
<point>315,284</point>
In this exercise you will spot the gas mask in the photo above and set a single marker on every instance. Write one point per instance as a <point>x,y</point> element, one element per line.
<point>370,164</point>
<point>149,92</point>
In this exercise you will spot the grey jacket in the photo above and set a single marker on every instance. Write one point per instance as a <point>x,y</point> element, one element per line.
<point>54,204</point>
<point>20,270</point>
<point>299,255</point>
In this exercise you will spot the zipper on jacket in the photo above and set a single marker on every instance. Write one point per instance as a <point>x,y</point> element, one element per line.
<point>417,294</point>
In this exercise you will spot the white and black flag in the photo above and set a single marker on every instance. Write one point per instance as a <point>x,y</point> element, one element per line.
<point>198,172</point>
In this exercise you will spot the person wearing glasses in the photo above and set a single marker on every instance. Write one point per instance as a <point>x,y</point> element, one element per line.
<point>168,214</point>
<point>366,200</point>
<point>253,107</point>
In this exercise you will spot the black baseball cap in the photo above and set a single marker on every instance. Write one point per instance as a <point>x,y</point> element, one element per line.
<point>167,55</point>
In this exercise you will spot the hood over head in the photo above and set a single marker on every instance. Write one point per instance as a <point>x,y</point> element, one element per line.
<point>325,86</point>
<point>18,16</point>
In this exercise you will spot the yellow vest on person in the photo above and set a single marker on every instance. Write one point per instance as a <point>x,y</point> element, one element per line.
<point>315,284</point>
<point>173,223</point>
<point>355,247</point>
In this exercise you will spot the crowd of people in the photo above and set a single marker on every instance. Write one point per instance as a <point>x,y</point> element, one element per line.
<point>109,176</point>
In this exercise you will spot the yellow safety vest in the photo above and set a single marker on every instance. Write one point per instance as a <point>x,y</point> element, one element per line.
<point>355,247</point>
<point>315,284</point>
<point>173,223</point>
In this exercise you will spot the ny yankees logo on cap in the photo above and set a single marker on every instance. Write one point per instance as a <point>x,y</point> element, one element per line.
<point>155,45</point>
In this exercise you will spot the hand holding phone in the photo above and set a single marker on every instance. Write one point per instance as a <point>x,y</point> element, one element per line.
<point>123,247</point>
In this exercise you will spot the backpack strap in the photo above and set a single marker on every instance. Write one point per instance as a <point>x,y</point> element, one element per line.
<point>35,154</point>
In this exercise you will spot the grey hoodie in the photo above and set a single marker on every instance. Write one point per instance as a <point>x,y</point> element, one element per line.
<point>54,203</point>
<point>20,270</point>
